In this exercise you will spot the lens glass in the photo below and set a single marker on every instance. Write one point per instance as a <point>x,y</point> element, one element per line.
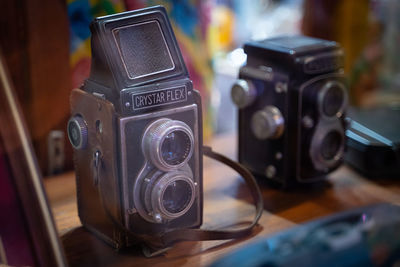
<point>175,147</point>
<point>333,100</point>
<point>331,145</point>
<point>74,134</point>
<point>177,196</point>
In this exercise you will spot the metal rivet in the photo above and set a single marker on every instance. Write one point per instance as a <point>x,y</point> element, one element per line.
<point>308,122</point>
<point>127,104</point>
<point>131,211</point>
<point>280,87</point>
<point>157,217</point>
<point>99,126</point>
<point>278,155</point>
<point>270,171</point>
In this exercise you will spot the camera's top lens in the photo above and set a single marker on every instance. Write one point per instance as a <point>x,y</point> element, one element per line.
<point>176,147</point>
<point>168,144</point>
<point>333,99</point>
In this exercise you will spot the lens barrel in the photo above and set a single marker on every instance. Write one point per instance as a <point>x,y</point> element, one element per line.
<point>327,148</point>
<point>332,99</point>
<point>330,145</point>
<point>168,144</point>
<point>167,196</point>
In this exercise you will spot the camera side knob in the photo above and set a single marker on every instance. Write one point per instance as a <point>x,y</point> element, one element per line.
<point>268,123</point>
<point>243,93</point>
<point>77,132</point>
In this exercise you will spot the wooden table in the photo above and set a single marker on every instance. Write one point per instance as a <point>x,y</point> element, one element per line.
<point>226,201</point>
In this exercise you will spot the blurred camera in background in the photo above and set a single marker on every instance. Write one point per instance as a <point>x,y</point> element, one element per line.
<point>292,97</point>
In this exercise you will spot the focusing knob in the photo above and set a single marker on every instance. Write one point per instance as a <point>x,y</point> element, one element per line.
<point>77,132</point>
<point>267,123</point>
<point>243,93</point>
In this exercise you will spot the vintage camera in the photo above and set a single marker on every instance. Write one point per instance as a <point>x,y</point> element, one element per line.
<point>291,97</point>
<point>136,129</point>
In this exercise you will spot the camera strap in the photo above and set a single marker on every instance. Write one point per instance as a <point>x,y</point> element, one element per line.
<point>167,239</point>
<point>158,244</point>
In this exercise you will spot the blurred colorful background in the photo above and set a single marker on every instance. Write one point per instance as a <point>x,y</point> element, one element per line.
<point>47,47</point>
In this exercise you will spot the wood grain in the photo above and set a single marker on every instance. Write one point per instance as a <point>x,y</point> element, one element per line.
<point>34,37</point>
<point>226,202</point>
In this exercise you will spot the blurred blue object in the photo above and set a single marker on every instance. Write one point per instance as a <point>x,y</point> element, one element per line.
<point>367,236</point>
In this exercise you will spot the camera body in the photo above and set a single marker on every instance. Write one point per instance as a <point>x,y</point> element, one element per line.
<point>136,129</point>
<point>291,96</point>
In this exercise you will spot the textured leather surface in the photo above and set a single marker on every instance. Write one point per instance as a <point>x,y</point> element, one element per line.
<point>93,206</point>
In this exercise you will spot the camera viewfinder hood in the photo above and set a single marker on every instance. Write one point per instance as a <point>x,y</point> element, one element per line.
<point>117,64</point>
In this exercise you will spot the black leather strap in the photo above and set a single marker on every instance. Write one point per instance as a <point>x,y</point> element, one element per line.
<point>159,243</point>
<point>201,234</point>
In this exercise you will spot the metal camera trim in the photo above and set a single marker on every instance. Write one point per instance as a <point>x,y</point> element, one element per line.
<point>315,148</point>
<point>276,123</point>
<point>154,136</point>
<point>131,204</point>
<point>80,123</point>
<point>327,120</point>
<point>322,94</point>
<point>162,184</point>
<point>148,202</point>
<point>247,93</point>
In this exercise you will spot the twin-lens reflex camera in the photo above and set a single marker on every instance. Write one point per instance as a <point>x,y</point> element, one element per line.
<point>136,129</point>
<point>292,98</point>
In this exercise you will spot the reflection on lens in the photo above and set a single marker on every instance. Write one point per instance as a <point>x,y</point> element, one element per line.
<point>177,196</point>
<point>168,144</point>
<point>333,101</point>
<point>331,145</point>
<point>175,147</point>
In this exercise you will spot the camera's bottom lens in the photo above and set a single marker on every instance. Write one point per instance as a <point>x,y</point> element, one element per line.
<point>177,196</point>
<point>327,148</point>
<point>166,196</point>
<point>331,145</point>
<point>332,99</point>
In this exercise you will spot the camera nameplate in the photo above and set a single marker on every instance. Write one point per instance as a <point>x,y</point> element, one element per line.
<point>324,62</point>
<point>155,98</point>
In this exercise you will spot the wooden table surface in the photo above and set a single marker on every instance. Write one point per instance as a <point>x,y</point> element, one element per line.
<point>227,201</point>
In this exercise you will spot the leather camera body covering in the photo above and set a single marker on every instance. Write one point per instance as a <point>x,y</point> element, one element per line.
<point>124,108</point>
